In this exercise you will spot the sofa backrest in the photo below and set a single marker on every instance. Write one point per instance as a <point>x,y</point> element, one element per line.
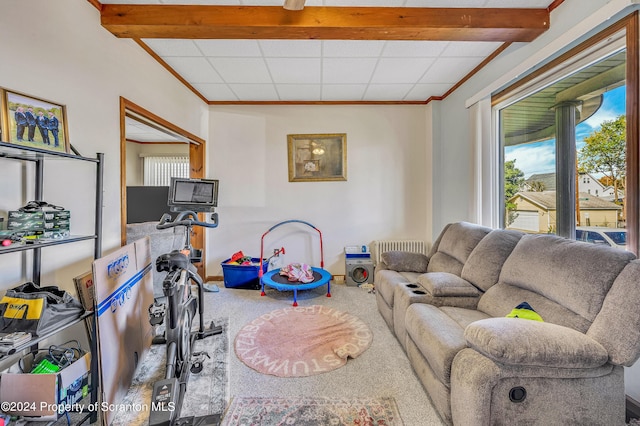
<point>617,326</point>
<point>453,247</point>
<point>482,268</point>
<point>565,281</point>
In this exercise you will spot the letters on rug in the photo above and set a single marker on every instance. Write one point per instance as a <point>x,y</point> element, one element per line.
<point>312,411</point>
<point>301,341</point>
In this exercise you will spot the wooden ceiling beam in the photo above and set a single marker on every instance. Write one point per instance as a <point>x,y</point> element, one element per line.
<point>323,23</point>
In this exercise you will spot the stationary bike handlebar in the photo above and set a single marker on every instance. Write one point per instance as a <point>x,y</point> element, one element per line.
<point>186,218</point>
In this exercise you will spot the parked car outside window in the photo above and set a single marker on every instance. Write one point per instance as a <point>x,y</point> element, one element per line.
<point>613,237</point>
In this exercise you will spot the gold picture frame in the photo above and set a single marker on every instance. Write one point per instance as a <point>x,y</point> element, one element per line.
<point>317,157</point>
<point>34,122</point>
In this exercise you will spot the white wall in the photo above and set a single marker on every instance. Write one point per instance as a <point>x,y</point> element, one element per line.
<point>453,145</point>
<point>384,196</point>
<point>57,50</point>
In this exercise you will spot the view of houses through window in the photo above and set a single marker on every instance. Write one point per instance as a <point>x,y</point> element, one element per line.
<point>585,110</point>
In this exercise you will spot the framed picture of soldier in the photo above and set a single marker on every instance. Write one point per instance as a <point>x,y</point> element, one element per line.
<point>34,122</point>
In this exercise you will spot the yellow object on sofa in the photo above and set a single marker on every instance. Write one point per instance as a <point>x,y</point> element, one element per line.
<point>525,311</point>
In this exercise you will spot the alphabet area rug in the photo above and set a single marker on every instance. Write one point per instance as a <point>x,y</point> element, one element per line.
<point>301,341</point>
<point>312,411</point>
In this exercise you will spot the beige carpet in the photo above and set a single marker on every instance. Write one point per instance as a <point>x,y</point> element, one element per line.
<point>302,341</point>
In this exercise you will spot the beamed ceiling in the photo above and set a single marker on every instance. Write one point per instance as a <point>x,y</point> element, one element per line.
<point>332,51</point>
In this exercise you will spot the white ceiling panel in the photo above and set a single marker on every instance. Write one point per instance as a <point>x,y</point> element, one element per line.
<point>255,92</point>
<point>343,92</point>
<point>173,47</point>
<point>194,70</point>
<point>299,92</point>
<point>338,70</point>
<point>294,70</point>
<point>386,92</point>
<point>414,49</point>
<point>231,48</point>
<point>352,48</point>
<point>291,48</point>
<point>401,70</point>
<point>344,70</point>
<point>449,70</point>
<point>242,70</point>
<point>218,92</point>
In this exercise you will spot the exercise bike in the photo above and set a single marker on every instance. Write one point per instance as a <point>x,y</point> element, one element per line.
<point>177,312</point>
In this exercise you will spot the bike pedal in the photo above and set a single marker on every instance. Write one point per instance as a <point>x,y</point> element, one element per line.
<point>156,313</point>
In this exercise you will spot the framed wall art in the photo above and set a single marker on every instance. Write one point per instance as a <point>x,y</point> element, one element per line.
<point>34,122</point>
<point>317,157</point>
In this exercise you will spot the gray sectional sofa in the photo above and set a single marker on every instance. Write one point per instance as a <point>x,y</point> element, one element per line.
<point>481,368</point>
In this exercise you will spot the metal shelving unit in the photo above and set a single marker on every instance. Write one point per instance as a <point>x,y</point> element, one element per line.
<point>39,157</point>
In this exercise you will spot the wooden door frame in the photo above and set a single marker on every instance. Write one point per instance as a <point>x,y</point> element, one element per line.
<point>197,149</point>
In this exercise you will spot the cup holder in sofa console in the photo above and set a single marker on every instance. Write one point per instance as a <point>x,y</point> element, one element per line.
<point>412,285</point>
<point>419,292</point>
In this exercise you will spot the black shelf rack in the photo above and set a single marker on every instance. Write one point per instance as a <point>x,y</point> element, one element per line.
<point>39,157</point>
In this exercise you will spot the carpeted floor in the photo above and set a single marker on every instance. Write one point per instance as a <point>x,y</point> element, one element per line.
<point>312,411</point>
<point>382,371</point>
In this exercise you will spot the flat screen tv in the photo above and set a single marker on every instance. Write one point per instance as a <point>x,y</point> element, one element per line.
<point>193,194</point>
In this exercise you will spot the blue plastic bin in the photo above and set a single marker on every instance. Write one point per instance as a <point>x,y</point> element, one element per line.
<point>243,276</point>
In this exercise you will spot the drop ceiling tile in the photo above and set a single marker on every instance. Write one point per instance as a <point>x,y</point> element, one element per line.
<point>230,48</point>
<point>345,70</point>
<point>470,49</point>
<point>299,92</point>
<point>413,49</point>
<point>216,92</point>
<point>386,92</point>
<point>294,70</point>
<point>351,48</point>
<point>290,48</point>
<point>242,70</point>
<point>254,92</point>
<point>450,70</point>
<point>343,92</point>
<point>194,70</point>
<point>422,92</point>
<point>400,70</point>
<point>173,47</point>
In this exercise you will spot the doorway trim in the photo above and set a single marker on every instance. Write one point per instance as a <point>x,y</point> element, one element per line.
<point>197,148</point>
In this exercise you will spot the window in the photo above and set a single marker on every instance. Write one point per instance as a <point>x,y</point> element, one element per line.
<point>158,170</point>
<point>565,120</point>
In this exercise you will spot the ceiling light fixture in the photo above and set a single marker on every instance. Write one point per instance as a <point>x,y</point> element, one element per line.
<point>293,4</point>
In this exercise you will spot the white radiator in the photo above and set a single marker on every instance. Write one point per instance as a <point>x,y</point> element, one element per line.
<point>413,246</point>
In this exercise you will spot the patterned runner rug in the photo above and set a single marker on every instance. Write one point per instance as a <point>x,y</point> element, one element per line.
<point>312,411</point>
<point>206,391</point>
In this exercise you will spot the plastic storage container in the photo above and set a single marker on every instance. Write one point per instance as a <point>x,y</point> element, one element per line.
<point>243,276</point>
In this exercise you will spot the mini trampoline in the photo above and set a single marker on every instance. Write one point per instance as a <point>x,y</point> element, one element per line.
<point>274,279</point>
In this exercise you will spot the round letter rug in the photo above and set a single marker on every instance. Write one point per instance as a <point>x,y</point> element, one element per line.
<point>301,341</point>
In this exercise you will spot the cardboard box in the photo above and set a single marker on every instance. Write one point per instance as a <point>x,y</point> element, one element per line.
<point>56,221</point>
<point>39,396</point>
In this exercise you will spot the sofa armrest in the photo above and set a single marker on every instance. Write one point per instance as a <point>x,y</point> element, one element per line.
<point>444,284</point>
<point>517,341</point>
<point>404,261</point>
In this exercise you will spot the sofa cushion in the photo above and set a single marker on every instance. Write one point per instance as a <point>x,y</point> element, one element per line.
<point>386,282</point>
<point>500,299</point>
<point>438,333</point>
<point>574,274</point>
<point>484,264</point>
<point>446,284</point>
<point>404,261</point>
<point>516,341</point>
<point>455,246</point>
<point>617,326</point>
